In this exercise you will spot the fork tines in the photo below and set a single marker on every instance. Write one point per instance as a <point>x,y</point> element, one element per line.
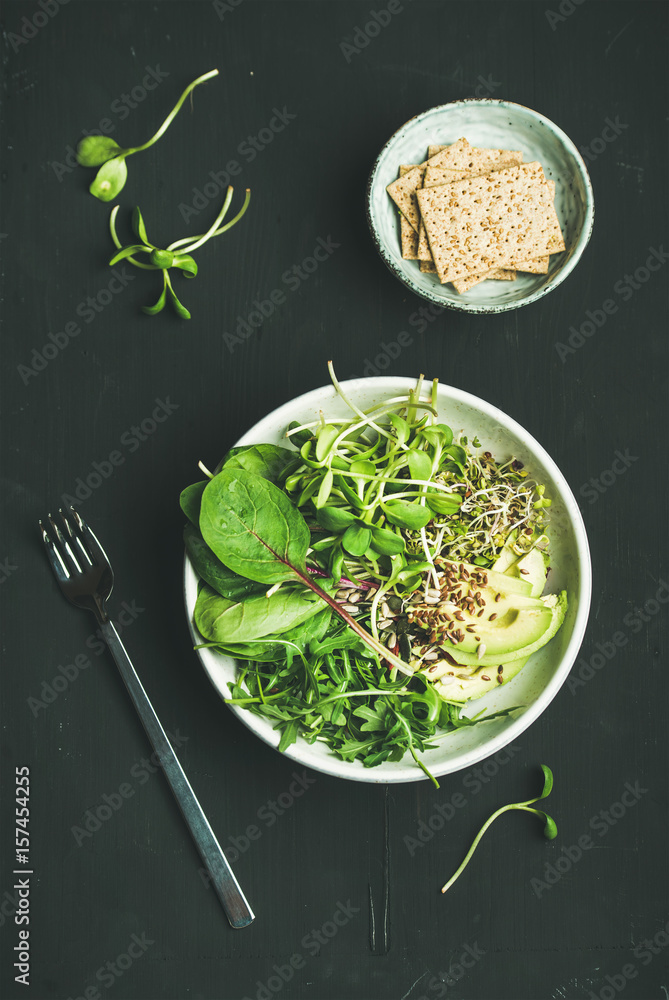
<point>69,553</point>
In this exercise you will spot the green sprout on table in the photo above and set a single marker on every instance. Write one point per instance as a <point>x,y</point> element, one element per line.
<point>101,151</point>
<point>163,260</point>
<point>550,828</point>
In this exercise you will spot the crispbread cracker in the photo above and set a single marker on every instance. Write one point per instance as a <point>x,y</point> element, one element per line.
<point>471,163</point>
<point>403,193</point>
<point>408,234</point>
<point>492,221</point>
<point>403,190</point>
<point>423,252</point>
<point>540,264</point>
<point>438,171</point>
<point>497,274</point>
<point>537,266</point>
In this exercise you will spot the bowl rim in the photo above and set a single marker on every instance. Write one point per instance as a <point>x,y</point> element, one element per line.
<point>474,307</point>
<point>331,765</point>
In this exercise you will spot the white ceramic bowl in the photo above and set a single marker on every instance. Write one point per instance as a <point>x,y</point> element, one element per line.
<point>490,124</point>
<point>539,681</point>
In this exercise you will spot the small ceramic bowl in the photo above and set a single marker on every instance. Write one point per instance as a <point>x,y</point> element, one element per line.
<point>490,124</point>
<point>538,682</point>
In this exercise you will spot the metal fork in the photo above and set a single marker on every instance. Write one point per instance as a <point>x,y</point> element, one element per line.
<point>86,578</point>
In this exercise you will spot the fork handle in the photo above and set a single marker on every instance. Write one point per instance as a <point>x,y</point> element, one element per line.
<point>227,888</point>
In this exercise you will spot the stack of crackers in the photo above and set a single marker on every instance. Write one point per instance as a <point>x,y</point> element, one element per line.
<point>470,214</point>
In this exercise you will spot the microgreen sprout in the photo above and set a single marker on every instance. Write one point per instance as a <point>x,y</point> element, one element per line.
<point>550,828</point>
<point>163,260</point>
<point>101,151</point>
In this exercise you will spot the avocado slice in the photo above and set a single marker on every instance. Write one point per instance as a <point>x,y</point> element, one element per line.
<point>555,607</point>
<point>508,556</point>
<point>459,689</point>
<point>532,569</point>
<point>466,684</point>
<point>515,630</point>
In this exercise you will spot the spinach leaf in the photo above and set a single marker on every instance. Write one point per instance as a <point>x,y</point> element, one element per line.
<point>267,460</point>
<point>253,527</point>
<point>272,648</point>
<point>224,621</point>
<point>212,570</point>
<point>190,501</point>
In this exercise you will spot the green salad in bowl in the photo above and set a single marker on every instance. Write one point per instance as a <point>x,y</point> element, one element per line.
<point>368,582</point>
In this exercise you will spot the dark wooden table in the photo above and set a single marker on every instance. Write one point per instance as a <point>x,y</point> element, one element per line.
<point>104,404</point>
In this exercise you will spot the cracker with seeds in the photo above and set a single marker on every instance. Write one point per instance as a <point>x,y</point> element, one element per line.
<point>408,235</point>
<point>403,190</point>
<point>489,222</point>
<point>438,171</point>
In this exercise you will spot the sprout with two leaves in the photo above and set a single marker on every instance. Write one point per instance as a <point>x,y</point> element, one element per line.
<point>550,827</point>
<point>163,260</point>
<point>101,151</point>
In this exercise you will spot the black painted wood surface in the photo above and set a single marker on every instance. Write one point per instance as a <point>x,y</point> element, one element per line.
<point>336,848</point>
